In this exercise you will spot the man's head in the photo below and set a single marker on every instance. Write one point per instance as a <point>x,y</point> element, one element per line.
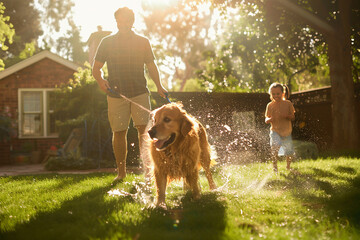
<point>125,18</point>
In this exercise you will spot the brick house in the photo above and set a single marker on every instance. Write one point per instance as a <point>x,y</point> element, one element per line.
<point>26,90</point>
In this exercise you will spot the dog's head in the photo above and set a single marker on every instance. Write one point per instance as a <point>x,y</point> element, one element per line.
<point>170,122</point>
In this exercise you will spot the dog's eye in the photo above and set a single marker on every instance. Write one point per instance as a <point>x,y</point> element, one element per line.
<point>166,119</point>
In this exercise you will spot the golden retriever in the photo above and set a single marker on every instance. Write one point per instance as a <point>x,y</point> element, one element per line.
<point>178,148</point>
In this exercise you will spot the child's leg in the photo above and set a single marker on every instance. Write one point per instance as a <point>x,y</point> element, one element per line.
<point>274,153</point>
<point>289,150</point>
<point>275,143</point>
<point>288,162</point>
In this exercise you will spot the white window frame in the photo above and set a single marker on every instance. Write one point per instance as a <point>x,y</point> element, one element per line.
<point>44,91</point>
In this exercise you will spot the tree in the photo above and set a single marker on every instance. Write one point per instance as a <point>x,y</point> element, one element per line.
<point>251,54</point>
<point>78,100</point>
<point>6,33</point>
<point>182,29</point>
<point>30,18</point>
<point>337,21</point>
<point>71,46</point>
<point>336,25</point>
<point>26,21</point>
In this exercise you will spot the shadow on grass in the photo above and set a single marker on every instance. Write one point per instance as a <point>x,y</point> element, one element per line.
<point>93,215</point>
<point>347,204</point>
<point>78,218</point>
<point>338,201</point>
<point>201,219</point>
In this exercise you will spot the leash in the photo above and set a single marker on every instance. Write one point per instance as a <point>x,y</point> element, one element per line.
<point>167,97</point>
<point>129,100</point>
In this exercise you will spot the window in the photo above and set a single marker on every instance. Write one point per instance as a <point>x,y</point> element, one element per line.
<point>36,113</point>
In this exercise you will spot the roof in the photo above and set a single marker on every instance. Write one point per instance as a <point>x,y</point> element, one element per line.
<point>36,58</point>
<point>97,36</point>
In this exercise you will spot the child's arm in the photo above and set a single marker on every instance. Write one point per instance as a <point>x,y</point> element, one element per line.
<point>291,115</point>
<point>267,115</point>
<point>267,120</point>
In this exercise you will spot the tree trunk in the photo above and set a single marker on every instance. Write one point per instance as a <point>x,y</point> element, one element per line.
<point>345,126</point>
<point>344,120</point>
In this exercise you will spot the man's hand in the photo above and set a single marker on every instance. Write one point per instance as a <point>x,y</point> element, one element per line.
<point>154,74</point>
<point>162,91</point>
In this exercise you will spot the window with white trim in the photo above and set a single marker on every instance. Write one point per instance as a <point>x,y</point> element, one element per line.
<point>36,113</point>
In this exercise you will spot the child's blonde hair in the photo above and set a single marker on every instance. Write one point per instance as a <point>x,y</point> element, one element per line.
<point>284,88</point>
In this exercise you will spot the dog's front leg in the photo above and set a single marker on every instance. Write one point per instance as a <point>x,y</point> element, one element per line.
<point>161,181</point>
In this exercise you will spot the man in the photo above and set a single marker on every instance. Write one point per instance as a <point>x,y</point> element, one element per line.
<point>125,54</point>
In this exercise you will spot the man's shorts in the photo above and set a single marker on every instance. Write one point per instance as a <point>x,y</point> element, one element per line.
<point>285,144</point>
<point>120,110</point>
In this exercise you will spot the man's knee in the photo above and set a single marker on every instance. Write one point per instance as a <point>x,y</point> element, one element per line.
<point>119,135</point>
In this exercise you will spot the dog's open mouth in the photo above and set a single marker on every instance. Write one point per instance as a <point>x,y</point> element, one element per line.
<point>162,144</point>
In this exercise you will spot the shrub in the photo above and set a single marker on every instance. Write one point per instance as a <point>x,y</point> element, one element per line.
<point>305,150</point>
<point>7,125</point>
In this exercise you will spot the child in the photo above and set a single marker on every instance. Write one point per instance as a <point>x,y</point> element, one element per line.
<point>279,113</point>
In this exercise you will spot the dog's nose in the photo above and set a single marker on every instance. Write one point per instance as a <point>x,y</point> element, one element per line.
<point>152,132</point>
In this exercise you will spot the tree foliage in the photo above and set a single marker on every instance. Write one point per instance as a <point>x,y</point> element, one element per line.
<point>26,21</point>
<point>181,31</point>
<point>252,52</point>
<point>334,26</point>
<point>55,11</point>
<point>6,33</point>
<point>41,20</point>
<point>78,100</point>
<point>70,46</point>
<point>293,36</point>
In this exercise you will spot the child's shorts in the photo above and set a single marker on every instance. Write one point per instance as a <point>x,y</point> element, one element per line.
<point>285,144</point>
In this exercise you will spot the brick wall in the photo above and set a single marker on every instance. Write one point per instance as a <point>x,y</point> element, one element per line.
<point>45,73</point>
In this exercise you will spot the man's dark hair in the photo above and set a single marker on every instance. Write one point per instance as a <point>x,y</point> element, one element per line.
<point>127,12</point>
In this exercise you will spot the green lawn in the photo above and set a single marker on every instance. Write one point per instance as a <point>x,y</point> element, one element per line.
<point>318,200</point>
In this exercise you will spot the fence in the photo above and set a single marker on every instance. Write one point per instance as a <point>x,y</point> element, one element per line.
<point>235,121</point>
<point>314,119</point>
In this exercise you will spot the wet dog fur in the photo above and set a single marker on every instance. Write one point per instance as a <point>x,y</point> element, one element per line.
<point>178,149</point>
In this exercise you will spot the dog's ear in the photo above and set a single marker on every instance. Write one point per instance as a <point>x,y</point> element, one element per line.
<point>186,126</point>
<point>154,112</point>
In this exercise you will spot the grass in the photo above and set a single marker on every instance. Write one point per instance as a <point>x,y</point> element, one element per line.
<point>318,200</point>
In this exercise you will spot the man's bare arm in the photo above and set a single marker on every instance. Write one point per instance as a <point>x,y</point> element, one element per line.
<point>98,75</point>
<point>155,76</point>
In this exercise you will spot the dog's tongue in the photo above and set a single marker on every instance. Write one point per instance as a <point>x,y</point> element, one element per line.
<point>159,143</point>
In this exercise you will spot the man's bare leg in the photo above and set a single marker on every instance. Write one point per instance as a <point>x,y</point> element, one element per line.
<point>119,142</point>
